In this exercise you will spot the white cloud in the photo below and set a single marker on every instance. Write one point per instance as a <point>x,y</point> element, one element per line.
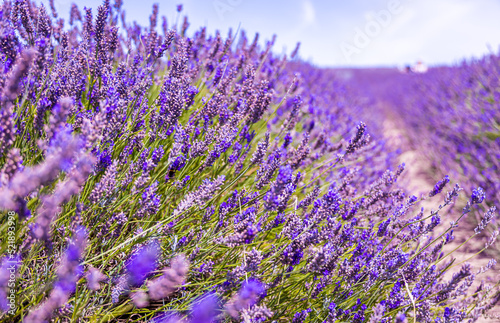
<point>308,13</point>
<point>436,31</point>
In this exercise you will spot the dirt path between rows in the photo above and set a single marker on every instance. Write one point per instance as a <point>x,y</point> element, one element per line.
<point>418,180</point>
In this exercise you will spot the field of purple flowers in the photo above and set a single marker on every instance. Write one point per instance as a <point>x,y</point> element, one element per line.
<point>453,114</point>
<point>158,174</point>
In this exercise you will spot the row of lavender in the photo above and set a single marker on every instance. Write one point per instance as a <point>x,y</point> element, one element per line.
<point>452,115</point>
<point>156,176</point>
<point>461,109</point>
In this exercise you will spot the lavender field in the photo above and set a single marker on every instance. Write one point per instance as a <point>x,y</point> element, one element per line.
<point>160,173</point>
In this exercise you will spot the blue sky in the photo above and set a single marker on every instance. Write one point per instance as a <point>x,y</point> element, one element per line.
<point>340,32</point>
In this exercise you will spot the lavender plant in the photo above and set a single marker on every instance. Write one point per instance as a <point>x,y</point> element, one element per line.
<point>451,117</point>
<point>184,177</point>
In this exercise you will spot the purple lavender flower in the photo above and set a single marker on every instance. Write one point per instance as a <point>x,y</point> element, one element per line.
<point>62,194</point>
<point>236,153</point>
<point>439,186</point>
<point>277,197</point>
<point>383,228</point>
<point>94,277</point>
<point>140,299</point>
<point>75,14</point>
<point>401,318</point>
<point>478,196</point>
<point>70,268</point>
<point>247,296</point>
<point>290,122</point>
<point>256,313</point>
<point>206,309</point>
<point>299,154</point>
<point>22,8</point>
<point>359,140</point>
<point>102,15</point>
<point>157,154</point>
<point>142,263</point>
<point>267,169</point>
<point>199,197</point>
<point>295,51</point>
<point>68,274</point>
<point>150,201</point>
<point>260,151</point>
<point>153,19</point>
<point>488,216</point>
<point>171,279</point>
<point>301,316</point>
<point>287,140</point>
<point>105,187</point>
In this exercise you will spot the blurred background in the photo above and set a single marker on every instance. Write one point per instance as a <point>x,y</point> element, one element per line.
<point>359,33</point>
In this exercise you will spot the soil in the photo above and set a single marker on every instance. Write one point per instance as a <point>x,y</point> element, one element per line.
<point>418,179</point>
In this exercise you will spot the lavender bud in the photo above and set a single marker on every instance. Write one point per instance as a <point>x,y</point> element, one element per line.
<point>206,309</point>
<point>142,264</point>
<point>260,151</point>
<point>359,140</point>
<point>488,216</point>
<point>171,279</point>
<point>256,313</point>
<point>247,296</point>
<point>439,186</point>
<point>478,196</point>
<point>68,274</point>
<point>492,239</point>
<point>199,197</point>
<point>140,299</point>
<point>12,87</point>
<point>94,277</point>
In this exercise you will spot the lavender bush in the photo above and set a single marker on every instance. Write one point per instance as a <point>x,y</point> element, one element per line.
<point>169,176</point>
<point>451,116</point>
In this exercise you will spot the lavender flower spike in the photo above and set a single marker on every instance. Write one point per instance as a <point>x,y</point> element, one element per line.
<point>171,279</point>
<point>488,216</point>
<point>142,263</point>
<point>247,296</point>
<point>260,151</point>
<point>206,309</point>
<point>12,89</point>
<point>478,196</point>
<point>68,274</point>
<point>439,186</point>
<point>199,197</point>
<point>94,277</point>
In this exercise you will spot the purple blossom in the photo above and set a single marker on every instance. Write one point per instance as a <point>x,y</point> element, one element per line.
<point>206,309</point>
<point>199,197</point>
<point>281,190</point>
<point>247,296</point>
<point>12,86</point>
<point>488,216</point>
<point>439,186</point>
<point>478,196</point>
<point>94,277</point>
<point>261,150</point>
<point>68,273</point>
<point>150,201</point>
<point>142,263</point>
<point>172,278</point>
<point>359,140</point>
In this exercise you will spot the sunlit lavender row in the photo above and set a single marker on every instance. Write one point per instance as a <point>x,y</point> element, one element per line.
<point>160,174</point>
<point>459,112</point>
